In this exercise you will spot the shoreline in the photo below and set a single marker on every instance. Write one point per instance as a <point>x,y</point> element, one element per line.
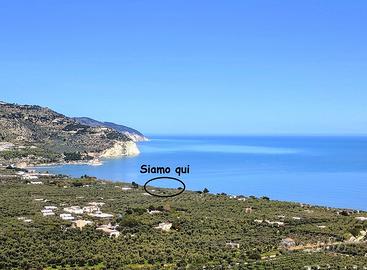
<point>232,196</point>
<point>56,164</point>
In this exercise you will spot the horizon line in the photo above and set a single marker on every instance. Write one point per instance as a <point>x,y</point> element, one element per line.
<point>261,134</point>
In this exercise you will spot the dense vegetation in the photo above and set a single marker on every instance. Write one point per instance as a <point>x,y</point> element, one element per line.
<point>202,226</point>
<point>33,154</point>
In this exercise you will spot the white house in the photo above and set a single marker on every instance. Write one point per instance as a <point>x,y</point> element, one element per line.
<point>278,223</point>
<point>36,183</point>
<point>66,217</point>
<point>46,211</point>
<point>50,207</point>
<point>288,242</point>
<point>99,214</point>
<point>164,226</point>
<point>110,231</point>
<point>74,210</point>
<point>233,245</point>
<point>97,203</point>
<point>258,221</point>
<point>154,212</point>
<point>90,209</point>
<point>29,177</point>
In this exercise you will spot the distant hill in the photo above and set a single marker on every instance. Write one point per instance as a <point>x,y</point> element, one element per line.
<point>130,132</point>
<point>35,134</point>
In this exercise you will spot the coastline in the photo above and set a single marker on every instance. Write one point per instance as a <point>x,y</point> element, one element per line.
<point>125,149</point>
<point>54,164</point>
<point>239,197</point>
<point>319,186</point>
<point>231,196</point>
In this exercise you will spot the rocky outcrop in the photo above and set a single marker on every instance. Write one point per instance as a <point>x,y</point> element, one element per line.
<point>131,133</point>
<point>121,149</point>
<point>135,137</point>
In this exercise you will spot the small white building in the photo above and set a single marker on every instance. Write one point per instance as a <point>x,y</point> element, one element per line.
<point>258,221</point>
<point>152,212</point>
<point>110,231</point>
<point>99,214</point>
<point>74,210</point>
<point>361,218</point>
<point>278,223</point>
<point>46,211</point>
<point>36,183</point>
<point>50,207</point>
<point>25,220</point>
<point>96,203</point>
<point>45,174</point>
<point>288,242</point>
<point>232,245</point>
<point>164,226</point>
<point>29,177</point>
<point>90,209</point>
<point>66,216</point>
<point>46,214</point>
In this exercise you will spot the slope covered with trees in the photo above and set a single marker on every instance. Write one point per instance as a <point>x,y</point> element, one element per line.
<point>214,231</point>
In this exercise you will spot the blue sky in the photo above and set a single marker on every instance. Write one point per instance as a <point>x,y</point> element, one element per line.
<point>191,67</point>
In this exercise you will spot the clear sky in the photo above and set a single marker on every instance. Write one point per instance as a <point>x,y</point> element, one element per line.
<point>191,67</point>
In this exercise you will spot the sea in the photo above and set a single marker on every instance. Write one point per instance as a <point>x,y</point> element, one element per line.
<point>319,170</point>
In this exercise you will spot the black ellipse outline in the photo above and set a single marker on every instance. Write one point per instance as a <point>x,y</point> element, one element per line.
<point>165,177</point>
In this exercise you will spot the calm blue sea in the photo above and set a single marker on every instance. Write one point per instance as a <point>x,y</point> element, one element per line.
<point>330,171</point>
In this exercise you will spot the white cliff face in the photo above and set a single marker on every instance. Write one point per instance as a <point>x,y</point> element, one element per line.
<point>132,149</point>
<point>121,149</point>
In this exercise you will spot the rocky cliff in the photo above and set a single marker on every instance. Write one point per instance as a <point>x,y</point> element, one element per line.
<point>41,135</point>
<point>133,134</point>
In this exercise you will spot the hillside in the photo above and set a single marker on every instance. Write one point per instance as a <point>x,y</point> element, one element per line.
<point>192,231</point>
<point>133,134</point>
<point>36,134</point>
